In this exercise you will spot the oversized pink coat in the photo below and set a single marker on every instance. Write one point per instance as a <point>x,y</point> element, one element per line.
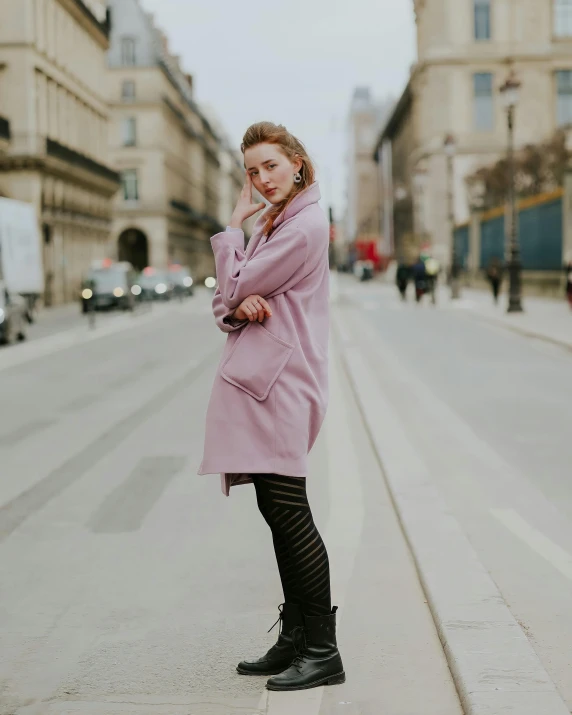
<point>270,392</point>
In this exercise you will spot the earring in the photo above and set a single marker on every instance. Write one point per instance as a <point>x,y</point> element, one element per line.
<point>297,177</point>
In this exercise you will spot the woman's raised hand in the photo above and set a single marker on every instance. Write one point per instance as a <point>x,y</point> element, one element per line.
<point>253,308</point>
<point>244,207</point>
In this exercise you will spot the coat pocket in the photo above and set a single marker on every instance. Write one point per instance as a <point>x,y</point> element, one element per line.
<point>256,361</point>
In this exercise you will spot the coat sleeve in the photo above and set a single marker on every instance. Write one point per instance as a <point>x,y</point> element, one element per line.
<point>222,315</point>
<point>276,266</point>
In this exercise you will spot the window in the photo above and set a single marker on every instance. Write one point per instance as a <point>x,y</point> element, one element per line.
<point>128,89</point>
<point>482,19</point>
<point>130,185</point>
<point>564,97</point>
<point>129,131</point>
<point>484,110</point>
<point>563,18</point>
<point>128,51</point>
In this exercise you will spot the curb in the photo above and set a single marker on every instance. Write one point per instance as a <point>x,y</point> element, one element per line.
<point>494,667</point>
<point>522,331</point>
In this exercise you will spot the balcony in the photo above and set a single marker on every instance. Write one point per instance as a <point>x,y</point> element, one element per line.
<point>4,128</point>
<point>205,220</point>
<point>74,158</point>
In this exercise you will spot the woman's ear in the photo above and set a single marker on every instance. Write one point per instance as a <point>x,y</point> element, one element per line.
<point>298,164</point>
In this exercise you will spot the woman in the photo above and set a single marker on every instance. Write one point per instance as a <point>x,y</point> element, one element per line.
<point>271,390</point>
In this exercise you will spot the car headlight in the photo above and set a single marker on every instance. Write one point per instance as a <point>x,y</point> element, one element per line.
<point>210,282</point>
<point>118,292</point>
<point>86,293</point>
<point>160,288</point>
<point>136,290</point>
<point>187,282</point>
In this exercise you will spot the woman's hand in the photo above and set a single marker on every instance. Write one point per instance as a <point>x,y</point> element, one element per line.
<point>252,308</point>
<point>244,207</point>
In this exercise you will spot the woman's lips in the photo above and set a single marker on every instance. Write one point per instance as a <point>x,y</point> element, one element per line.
<point>269,192</point>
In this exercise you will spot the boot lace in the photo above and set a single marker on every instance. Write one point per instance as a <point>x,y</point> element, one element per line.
<point>280,619</point>
<point>300,645</point>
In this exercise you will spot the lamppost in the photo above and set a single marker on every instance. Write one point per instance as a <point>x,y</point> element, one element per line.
<point>450,149</point>
<point>510,94</point>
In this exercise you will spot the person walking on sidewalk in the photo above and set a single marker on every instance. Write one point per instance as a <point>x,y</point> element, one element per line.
<point>494,276</point>
<point>569,283</point>
<point>270,391</point>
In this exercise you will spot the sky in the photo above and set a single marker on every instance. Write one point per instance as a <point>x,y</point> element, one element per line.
<point>294,63</point>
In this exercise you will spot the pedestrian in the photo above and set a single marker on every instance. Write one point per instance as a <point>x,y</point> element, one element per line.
<point>270,391</point>
<point>419,278</point>
<point>494,275</point>
<point>432,268</point>
<point>569,283</point>
<point>402,277</point>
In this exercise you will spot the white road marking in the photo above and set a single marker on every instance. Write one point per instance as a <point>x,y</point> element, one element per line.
<point>536,540</point>
<point>342,534</point>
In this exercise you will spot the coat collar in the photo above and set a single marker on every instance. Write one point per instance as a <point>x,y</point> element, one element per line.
<point>310,195</point>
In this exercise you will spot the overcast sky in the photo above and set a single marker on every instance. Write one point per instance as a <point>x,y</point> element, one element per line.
<point>294,63</point>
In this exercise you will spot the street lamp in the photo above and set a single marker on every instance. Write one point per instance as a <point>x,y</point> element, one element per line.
<point>450,147</point>
<point>510,94</point>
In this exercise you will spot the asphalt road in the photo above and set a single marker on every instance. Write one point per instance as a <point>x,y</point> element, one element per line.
<point>131,585</point>
<point>491,413</point>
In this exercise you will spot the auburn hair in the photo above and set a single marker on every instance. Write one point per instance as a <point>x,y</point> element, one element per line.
<point>292,148</point>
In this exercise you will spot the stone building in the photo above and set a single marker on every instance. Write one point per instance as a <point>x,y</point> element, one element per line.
<point>465,53</point>
<point>363,210</point>
<point>53,130</point>
<point>167,151</point>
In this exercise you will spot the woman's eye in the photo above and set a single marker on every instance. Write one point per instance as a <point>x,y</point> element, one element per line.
<point>271,166</point>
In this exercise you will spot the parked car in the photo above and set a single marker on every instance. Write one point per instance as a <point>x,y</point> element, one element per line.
<point>108,285</point>
<point>153,284</point>
<point>13,316</point>
<point>182,280</point>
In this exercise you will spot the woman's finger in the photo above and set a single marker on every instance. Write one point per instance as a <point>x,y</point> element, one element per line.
<point>266,307</point>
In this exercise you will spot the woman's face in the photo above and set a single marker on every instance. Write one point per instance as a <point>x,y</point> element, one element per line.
<point>272,173</point>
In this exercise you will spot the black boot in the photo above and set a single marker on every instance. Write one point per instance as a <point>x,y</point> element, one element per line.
<point>281,655</point>
<point>318,661</point>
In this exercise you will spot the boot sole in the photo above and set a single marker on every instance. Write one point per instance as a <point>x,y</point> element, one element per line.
<point>267,673</point>
<point>330,680</point>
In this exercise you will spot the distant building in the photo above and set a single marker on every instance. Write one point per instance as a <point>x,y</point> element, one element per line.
<point>166,150</point>
<point>363,209</point>
<point>54,131</point>
<point>465,52</point>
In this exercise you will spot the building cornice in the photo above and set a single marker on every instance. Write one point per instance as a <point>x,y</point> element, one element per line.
<point>67,164</point>
<point>400,110</point>
<point>100,31</point>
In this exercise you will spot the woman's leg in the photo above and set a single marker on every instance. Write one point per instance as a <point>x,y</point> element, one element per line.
<point>285,566</point>
<point>301,554</point>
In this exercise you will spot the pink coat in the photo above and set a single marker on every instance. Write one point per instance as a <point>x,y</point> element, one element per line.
<point>270,392</point>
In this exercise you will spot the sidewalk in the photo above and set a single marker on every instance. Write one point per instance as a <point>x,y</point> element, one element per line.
<point>543,318</point>
<point>493,664</point>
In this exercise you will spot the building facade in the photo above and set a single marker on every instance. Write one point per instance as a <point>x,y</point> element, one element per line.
<point>363,209</point>
<point>165,149</point>
<point>466,50</point>
<point>54,130</point>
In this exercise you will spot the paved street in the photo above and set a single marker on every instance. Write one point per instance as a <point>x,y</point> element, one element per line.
<point>134,586</point>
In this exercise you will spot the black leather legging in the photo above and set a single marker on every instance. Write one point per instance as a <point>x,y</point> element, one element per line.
<point>300,552</point>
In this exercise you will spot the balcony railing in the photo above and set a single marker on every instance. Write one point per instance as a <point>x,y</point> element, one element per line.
<point>4,128</point>
<point>74,158</point>
<point>208,221</point>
